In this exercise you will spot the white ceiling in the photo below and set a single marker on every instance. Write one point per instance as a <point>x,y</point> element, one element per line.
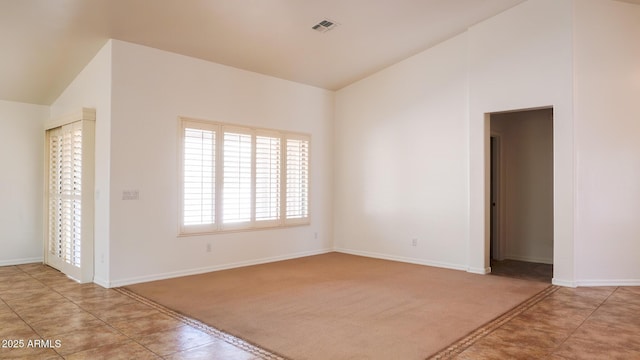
<point>45,43</point>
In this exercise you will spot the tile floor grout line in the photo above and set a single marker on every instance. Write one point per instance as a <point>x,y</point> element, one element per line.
<point>104,322</point>
<point>27,322</point>
<point>18,315</point>
<point>72,302</point>
<point>605,300</point>
<point>52,289</point>
<point>581,323</point>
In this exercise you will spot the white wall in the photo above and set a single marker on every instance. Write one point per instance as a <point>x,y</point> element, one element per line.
<point>526,146</point>
<point>92,89</point>
<point>522,59</point>
<point>151,88</point>
<point>607,120</point>
<point>411,147</point>
<point>412,140</point>
<point>21,179</point>
<point>401,163</point>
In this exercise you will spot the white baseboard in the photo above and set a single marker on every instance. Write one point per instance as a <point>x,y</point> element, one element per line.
<point>169,275</point>
<point>402,259</point>
<point>618,282</point>
<point>595,283</point>
<point>565,283</point>
<point>480,271</point>
<point>102,282</point>
<point>21,261</point>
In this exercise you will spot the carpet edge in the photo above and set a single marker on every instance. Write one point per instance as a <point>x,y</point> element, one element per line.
<point>217,333</point>
<point>466,341</point>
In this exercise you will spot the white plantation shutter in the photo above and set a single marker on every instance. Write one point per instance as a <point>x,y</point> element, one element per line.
<point>70,194</point>
<point>236,186</point>
<point>297,179</point>
<point>65,193</point>
<point>74,191</point>
<point>55,192</point>
<point>199,173</point>
<point>235,177</point>
<point>267,180</point>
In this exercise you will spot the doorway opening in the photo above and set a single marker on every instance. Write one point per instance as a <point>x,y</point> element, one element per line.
<point>521,194</point>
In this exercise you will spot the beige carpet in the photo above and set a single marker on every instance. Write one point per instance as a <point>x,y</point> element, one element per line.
<point>338,306</point>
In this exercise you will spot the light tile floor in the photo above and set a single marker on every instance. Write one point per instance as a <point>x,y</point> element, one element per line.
<point>581,323</point>
<point>44,315</point>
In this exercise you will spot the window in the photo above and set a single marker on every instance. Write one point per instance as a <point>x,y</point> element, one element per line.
<point>237,177</point>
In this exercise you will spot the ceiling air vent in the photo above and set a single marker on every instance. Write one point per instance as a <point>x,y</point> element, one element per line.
<point>324,25</point>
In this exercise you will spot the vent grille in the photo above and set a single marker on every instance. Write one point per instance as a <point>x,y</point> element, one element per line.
<point>324,25</point>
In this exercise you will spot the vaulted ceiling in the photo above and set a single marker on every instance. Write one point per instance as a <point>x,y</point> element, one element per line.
<point>46,43</point>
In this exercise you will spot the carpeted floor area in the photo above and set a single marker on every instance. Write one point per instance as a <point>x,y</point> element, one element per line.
<point>339,306</point>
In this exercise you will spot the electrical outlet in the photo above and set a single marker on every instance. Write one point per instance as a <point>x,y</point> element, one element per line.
<point>315,235</point>
<point>208,247</point>
<point>414,242</point>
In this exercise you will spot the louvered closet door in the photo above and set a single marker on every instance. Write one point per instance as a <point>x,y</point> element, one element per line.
<point>64,246</point>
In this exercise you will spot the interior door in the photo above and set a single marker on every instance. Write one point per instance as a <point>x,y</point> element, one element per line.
<point>69,189</point>
<point>64,239</point>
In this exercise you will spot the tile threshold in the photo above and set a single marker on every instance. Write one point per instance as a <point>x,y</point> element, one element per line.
<point>459,346</point>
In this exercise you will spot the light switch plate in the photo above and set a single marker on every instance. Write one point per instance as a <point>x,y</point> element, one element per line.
<point>130,195</point>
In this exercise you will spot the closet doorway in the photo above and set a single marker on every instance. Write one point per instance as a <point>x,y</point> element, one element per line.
<point>69,190</point>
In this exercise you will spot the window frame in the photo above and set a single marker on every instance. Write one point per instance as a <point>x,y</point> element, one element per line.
<point>218,225</point>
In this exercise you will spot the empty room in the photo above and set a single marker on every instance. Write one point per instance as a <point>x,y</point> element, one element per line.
<point>299,179</point>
